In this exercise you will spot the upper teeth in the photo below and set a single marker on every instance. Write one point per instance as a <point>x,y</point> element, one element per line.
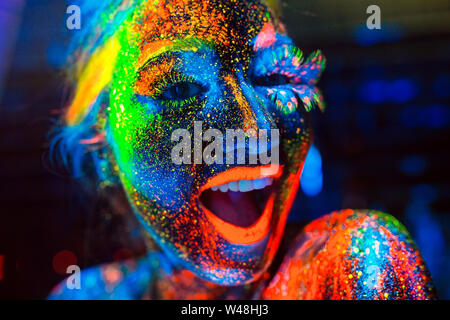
<point>244,185</point>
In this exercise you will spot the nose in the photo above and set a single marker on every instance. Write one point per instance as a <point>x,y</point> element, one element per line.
<point>245,111</point>
<point>250,112</point>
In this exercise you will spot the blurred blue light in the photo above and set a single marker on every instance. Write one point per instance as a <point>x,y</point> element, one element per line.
<point>413,165</point>
<point>379,91</point>
<point>424,193</point>
<point>429,238</point>
<point>434,116</point>
<point>437,116</point>
<point>441,86</point>
<point>56,54</point>
<point>402,90</point>
<point>366,37</point>
<point>312,186</point>
<point>427,230</point>
<point>389,32</point>
<point>311,180</point>
<point>373,91</point>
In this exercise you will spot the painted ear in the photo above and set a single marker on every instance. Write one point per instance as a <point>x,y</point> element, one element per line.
<point>92,80</point>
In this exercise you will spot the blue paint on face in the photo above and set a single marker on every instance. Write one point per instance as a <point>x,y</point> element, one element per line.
<point>230,93</point>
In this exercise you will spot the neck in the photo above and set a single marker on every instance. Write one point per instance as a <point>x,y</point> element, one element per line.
<point>178,283</point>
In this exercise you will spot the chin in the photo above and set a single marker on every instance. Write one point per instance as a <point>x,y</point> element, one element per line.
<point>232,227</point>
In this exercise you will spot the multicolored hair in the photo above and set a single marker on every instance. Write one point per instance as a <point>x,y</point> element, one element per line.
<point>79,139</point>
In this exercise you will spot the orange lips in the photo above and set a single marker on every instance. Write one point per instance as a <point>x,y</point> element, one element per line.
<point>236,234</point>
<point>243,173</point>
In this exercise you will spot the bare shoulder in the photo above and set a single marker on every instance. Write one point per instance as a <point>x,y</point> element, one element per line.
<point>120,280</point>
<point>352,254</point>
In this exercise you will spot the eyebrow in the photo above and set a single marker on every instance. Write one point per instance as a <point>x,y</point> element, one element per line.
<point>152,50</point>
<point>164,58</point>
<point>152,72</point>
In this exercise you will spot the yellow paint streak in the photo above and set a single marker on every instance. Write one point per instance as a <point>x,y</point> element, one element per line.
<point>93,79</point>
<point>248,115</point>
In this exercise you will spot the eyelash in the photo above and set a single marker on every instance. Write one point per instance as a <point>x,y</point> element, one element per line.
<point>288,61</point>
<point>179,103</point>
<point>288,57</point>
<point>172,78</point>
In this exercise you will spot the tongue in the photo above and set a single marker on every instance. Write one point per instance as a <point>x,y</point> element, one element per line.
<point>238,208</point>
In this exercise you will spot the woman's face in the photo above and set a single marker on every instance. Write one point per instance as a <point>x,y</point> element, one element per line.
<point>229,65</point>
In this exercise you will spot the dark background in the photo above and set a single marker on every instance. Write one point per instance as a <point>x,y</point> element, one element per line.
<point>382,142</point>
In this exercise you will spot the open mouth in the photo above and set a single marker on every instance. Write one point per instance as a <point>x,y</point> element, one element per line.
<point>239,203</point>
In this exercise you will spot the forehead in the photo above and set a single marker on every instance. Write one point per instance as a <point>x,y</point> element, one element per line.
<point>228,25</point>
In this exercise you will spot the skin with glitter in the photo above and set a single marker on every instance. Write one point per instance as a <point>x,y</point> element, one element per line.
<point>165,65</point>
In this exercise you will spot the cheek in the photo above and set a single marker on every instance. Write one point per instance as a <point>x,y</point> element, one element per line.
<point>139,138</point>
<point>289,115</point>
<point>143,155</point>
<point>298,138</point>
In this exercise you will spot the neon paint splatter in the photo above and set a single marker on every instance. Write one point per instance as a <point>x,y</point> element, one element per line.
<point>352,255</point>
<point>146,68</point>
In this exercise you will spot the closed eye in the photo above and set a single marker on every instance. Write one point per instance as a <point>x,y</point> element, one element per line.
<point>272,80</point>
<point>181,91</point>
